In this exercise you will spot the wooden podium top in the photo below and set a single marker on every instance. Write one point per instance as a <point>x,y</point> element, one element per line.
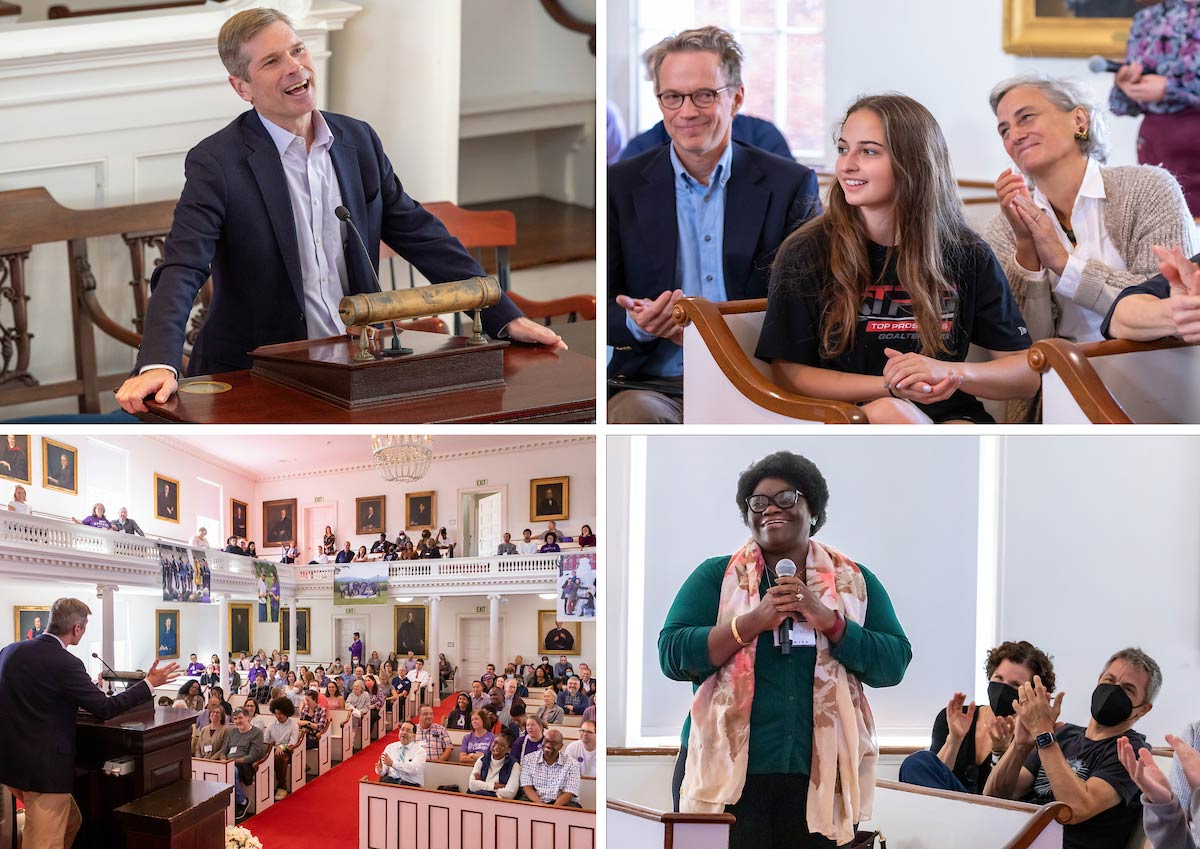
<point>541,385</point>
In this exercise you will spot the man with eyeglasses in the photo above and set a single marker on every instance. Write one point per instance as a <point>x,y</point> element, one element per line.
<point>701,216</point>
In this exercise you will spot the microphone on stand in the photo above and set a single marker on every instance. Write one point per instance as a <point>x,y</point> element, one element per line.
<point>109,668</point>
<point>343,214</point>
<point>785,568</point>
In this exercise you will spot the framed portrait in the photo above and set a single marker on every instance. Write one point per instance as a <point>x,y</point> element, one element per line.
<point>166,498</point>
<point>555,637</point>
<point>279,522</point>
<point>239,513</point>
<point>411,623</point>
<point>239,627</point>
<point>420,511</point>
<point>303,629</point>
<point>549,498</point>
<point>166,629</point>
<point>368,513</point>
<point>1067,27</point>
<point>59,471</point>
<point>29,622</point>
<point>14,459</point>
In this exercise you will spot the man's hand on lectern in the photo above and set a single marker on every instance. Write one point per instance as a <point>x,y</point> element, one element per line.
<point>523,330</point>
<point>157,677</point>
<point>159,382</point>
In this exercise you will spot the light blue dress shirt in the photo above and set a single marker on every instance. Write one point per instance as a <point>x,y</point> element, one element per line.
<point>700,266</point>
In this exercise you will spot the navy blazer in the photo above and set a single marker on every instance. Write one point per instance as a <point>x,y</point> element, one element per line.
<point>767,197</point>
<point>41,687</point>
<point>234,220</point>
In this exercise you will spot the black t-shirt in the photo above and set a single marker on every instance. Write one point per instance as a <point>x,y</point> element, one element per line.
<point>972,775</point>
<point>1110,829</point>
<point>981,310</point>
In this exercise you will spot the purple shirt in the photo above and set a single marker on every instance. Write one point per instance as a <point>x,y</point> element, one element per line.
<point>100,522</point>
<point>1163,38</point>
<point>356,650</point>
<point>477,745</point>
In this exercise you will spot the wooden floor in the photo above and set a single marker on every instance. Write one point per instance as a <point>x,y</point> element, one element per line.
<point>548,231</point>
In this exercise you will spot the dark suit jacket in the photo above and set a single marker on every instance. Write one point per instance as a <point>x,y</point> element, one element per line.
<point>41,686</point>
<point>234,219</point>
<point>766,198</point>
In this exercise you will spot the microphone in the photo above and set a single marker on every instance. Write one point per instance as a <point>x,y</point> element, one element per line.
<point>343,214</point>
<point>785,568</point>
<point>1099,65</point>
<point>109,668</point>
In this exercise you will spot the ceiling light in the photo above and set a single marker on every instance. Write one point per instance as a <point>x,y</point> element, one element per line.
<point>402,457</point>
<point>547,596</point>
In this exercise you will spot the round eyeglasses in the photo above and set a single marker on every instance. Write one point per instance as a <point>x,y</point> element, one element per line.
<point>701,99</point>
<point>783,500</point>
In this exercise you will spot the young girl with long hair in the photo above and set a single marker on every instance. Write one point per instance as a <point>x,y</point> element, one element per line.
<point>877,300</point>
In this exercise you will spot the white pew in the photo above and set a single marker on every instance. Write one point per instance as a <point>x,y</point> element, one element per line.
<point>222,772</point>
<point>392,816</point>
<point>297,763</point>
<point>319,761</point>
<point>341,735</point>
<point>443,774</point>
<point>260,795</point>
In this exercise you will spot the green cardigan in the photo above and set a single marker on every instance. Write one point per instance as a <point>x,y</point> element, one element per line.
<point>781,716</point>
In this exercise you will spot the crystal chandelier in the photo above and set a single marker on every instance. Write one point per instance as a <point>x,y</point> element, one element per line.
<point>402,456</point>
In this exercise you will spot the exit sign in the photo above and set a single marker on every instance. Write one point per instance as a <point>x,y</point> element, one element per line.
<point>481,482</point>
<point>318,499</point>
<point>481,609</point>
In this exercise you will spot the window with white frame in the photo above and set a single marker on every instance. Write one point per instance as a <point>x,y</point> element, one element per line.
<point>209,496</point>
<point>783,43</point>
<point>108,477</point>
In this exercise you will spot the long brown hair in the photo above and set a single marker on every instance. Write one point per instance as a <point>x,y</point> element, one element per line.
<point>930,224</point>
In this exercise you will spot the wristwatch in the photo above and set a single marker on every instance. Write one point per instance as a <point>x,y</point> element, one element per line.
<point>1044,740</point>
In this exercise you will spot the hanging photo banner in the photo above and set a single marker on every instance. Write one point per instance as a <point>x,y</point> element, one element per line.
<point>266,574</point>
<point>577,586</point>
<point>185,574</point>
<point>361,583</point>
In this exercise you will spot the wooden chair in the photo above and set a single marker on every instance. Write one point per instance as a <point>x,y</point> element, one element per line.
<point>1118,382</point>
<point>574,307</point>
<point>727,385</point>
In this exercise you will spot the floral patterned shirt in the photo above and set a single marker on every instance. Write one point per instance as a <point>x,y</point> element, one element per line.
<point>1165,38</point>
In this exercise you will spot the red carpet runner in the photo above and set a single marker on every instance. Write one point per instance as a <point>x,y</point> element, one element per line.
<point>324,812</point>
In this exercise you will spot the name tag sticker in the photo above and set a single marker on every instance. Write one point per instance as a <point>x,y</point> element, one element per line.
<point>208,748</point>
<point>233,750</point>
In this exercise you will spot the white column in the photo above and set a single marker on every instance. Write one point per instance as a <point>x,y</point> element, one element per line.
<point>104,592</point>
<point>494,630</point>
<point>433,647</point>
<point>292,653</point>
<point>223,645</point>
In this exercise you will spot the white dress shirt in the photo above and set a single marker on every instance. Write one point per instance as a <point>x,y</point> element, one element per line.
<point>1077,323</point>
<point>408,762</point>
<point>531,547</point>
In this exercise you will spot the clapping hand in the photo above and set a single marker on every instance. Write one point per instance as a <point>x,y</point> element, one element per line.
<point>1145,772</point>
<point>1040,225</point>
<point>918,378</point>
<point>958,722</point>
<point>1035,709</point>
<point>1189,760</point>
<point>1001,731</point>
<point>385,759</point>
<point>1011,185</point>
<point>1184,279</point>
<point>157,677</point>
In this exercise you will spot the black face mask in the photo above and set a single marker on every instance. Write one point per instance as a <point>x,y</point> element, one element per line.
<point>1000,698</point>
<point>1110,705</point>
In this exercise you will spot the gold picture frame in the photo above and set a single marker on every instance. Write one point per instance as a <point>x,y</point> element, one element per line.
<point>15,458</point>
<point>239,520</point>
<point>303,630</point>
<point>547,622</point>
<point>166,645</point>
<point>376,522</point>
<point>549,498</point>
<point>66,477</point>
<point>166,498</point>
<point>1028,32</point>
<point>420,511</point>
<point>238,628</point>
<point>416,633</point>
<point>23,630</point>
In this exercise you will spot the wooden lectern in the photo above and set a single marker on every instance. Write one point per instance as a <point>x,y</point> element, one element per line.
<point>158,739</point>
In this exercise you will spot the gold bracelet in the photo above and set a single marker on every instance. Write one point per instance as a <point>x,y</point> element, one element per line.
<point>736,635</point>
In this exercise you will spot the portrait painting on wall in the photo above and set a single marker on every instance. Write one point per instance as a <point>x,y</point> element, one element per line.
<point>369,515</point>
<point>166,627</point>
<point>549,499</point>
<point>14,459</point>
<point>29,622</point>
<point>420,511</point>
<point>556,636</point>
<point>577,586</point>
<point>1068,27</point>
<point>411,626</point>
<point>266,575</point>
<point>303,623</point>
<point>166,498</point>
<point>239,513</point>
<point>239,628</point>
<point>59,466</point>
<point>279,522</point>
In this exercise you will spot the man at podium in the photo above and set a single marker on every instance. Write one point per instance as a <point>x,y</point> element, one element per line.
<point>258,213</point>
<point>41,687</point>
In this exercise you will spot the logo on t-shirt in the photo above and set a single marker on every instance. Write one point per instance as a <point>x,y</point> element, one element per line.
<point>887,311</point>
<point>1041,785</point>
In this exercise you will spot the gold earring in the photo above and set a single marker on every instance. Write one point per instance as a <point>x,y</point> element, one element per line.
<point>1081,135</point>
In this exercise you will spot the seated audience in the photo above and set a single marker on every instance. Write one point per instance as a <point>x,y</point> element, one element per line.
<point>459,717</point>
<point>371,688</point>
<point>1085,232</point>
<point>550,712</point>
<point>96,519</point>
<point>444,543</point>
<point>589,715</point>
<point>380,545</point>
<point>479,698</point>
<point>231,546</point>
<point>409,552</point>
<point>314,719</point>
<point>563,669</point>
<point>244,746</point>
<point>428,550</point>
<point>433,737</point>
<point>586,539</point>
<point>194,667</point>
<point>283,735</point>
<point>345,555</point>
<point>211,739</point>
<point>551,544</point>
<point>211,676</point>
<point>531,740</point>
<point>571,700</point>
<point>478,741</point>
<point>1052,761</point>
<point>506,547</point>
<point>403,762</point>
<point>1170,820</point>
<point>583,750</point>
<point>497,773</point>
<point>747,129</point>
<point>191,695</point>
<point>541,678</point>
<point>18,503</point>
<point>1164,306</point>
<point>331,698</point>
<point>549,778</point>
<point>488,678</point>
<point>865,311</point>
<point>587,684</point>
<point>361,556</point>
<point>528,545</point>
<point>968,740</point>
<point>248,548</point>
<point>358,700</point>
<point>511,700</point>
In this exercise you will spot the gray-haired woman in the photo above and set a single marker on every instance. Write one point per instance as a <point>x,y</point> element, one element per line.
<point>1070,234</point>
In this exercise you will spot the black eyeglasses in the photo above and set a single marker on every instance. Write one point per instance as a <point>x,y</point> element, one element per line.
<point>701,99</point>
<point>783,500</point>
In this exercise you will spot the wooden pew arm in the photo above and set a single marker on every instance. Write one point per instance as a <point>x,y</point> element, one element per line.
<point>1046,814</point>
<point>728,354</point>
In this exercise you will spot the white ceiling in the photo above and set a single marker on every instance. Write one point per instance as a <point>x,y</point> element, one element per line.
<point>272,455</point>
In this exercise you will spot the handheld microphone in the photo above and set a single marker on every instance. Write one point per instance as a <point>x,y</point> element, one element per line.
<point>343,214</point>
<point>1099,65</point>
<point>785,568</point>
